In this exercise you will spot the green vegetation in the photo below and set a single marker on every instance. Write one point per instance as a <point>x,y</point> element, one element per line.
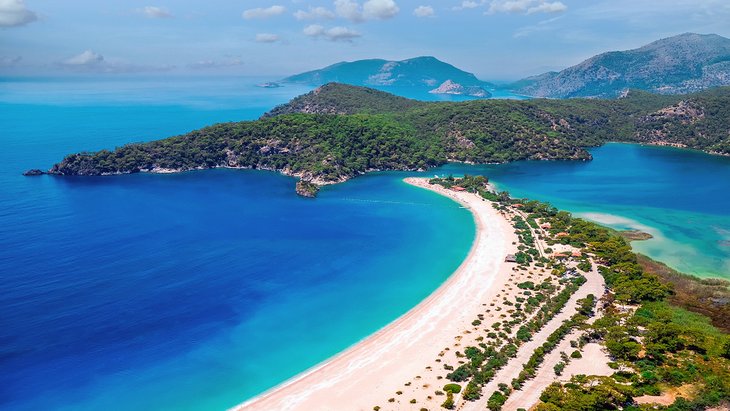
<point>338,132</point>
<point>452,388</point>
<point>449,401</point>
<point>706,296</point>
<point>656,344</point>
<point>496,401</point>
<point>307,188</point>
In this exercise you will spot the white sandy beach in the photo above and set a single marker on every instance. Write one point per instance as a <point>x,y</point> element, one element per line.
<point>370,372</point>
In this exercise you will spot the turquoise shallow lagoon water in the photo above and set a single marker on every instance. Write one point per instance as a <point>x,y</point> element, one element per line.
<point>681,197</point>
<point>198,290</point>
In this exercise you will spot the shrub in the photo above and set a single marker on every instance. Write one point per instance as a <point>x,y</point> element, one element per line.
<point>576,354</point>
<point>523,334</point>
<point>527,285</point>
<point>452,388</point>
<point>460,374</point>
<point>496,401</point>
<point>472,391</point>
<point>449,401</point>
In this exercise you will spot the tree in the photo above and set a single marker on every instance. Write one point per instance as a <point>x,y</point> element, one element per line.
<point>496,401</point>
<point>449,401</point>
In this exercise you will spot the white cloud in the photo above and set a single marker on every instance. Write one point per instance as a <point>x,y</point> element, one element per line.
<point>264,13</point>
<point>549,7</point>
<point>267,38</point>
<point>348,9</point>
<point>468,4</point>
<point>13,13</point>
<point>314,13</point>
<point>380,9</point>
<point>333,34</point>
<point>215,64</point>
<point>87,58</point>
<point>90,61</point>
<point>370,10</point>
<point>154,12</point>
<point>424,11</point>
<point>313,30</point>
<point>526,6</point>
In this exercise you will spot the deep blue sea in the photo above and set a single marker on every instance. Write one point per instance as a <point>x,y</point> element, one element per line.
<point>196,291</point>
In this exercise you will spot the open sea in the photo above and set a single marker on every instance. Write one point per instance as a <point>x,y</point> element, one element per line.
<point>196,291</point>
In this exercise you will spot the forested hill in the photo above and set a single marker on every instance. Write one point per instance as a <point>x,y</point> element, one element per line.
<point>338,131</point>
<point>338,98</point>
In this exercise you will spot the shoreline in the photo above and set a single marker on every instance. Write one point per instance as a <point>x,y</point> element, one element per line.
<point>367,373</point>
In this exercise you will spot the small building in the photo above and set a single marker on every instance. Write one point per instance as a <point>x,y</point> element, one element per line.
<point>560,255</point>
<point>458,188</point>
<point>518,205</point>
<point>577,253</point>
<point>562,234</point>
<point>510,258</point>
<point>545,226</point>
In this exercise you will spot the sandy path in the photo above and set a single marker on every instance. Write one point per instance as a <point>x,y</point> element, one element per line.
<point>594,361</point>
<point>372,370</point>
<point>594,285</point>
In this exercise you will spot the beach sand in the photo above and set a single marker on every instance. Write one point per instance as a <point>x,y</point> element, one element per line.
<point>404,356</point>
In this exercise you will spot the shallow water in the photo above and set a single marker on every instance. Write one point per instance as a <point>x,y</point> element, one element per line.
<point>681,197</point>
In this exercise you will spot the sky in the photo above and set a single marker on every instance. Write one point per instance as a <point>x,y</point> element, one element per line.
<point>499,40</point>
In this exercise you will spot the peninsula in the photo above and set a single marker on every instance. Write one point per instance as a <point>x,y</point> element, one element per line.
<point>337,132</point>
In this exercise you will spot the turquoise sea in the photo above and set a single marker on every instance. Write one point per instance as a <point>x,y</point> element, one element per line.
<point>681,197</point>
<point>199,290</point>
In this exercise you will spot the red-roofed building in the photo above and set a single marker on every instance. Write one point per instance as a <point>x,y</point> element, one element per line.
<point>457,188</point>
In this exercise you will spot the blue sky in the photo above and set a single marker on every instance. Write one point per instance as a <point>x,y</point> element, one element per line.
<point>496,39</point>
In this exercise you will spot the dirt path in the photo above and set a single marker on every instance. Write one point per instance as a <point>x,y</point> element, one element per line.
<point>594,285</point>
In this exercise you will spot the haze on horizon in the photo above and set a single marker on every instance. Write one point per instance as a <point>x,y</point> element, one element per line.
<point>495,39</point>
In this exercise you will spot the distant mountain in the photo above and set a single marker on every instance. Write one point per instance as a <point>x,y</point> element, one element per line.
<point>675,65</point>
<point>425,74</point>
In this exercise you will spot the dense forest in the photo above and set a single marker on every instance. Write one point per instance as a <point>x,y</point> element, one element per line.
<point>339,131</point>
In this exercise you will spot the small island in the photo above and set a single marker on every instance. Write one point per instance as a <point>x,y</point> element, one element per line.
<point>635,235</point>
<point>34,172</point>
<point>307,189</point>
<point>269,84</point>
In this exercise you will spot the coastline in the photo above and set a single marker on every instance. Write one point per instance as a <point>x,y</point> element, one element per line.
<point>367,373</point>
